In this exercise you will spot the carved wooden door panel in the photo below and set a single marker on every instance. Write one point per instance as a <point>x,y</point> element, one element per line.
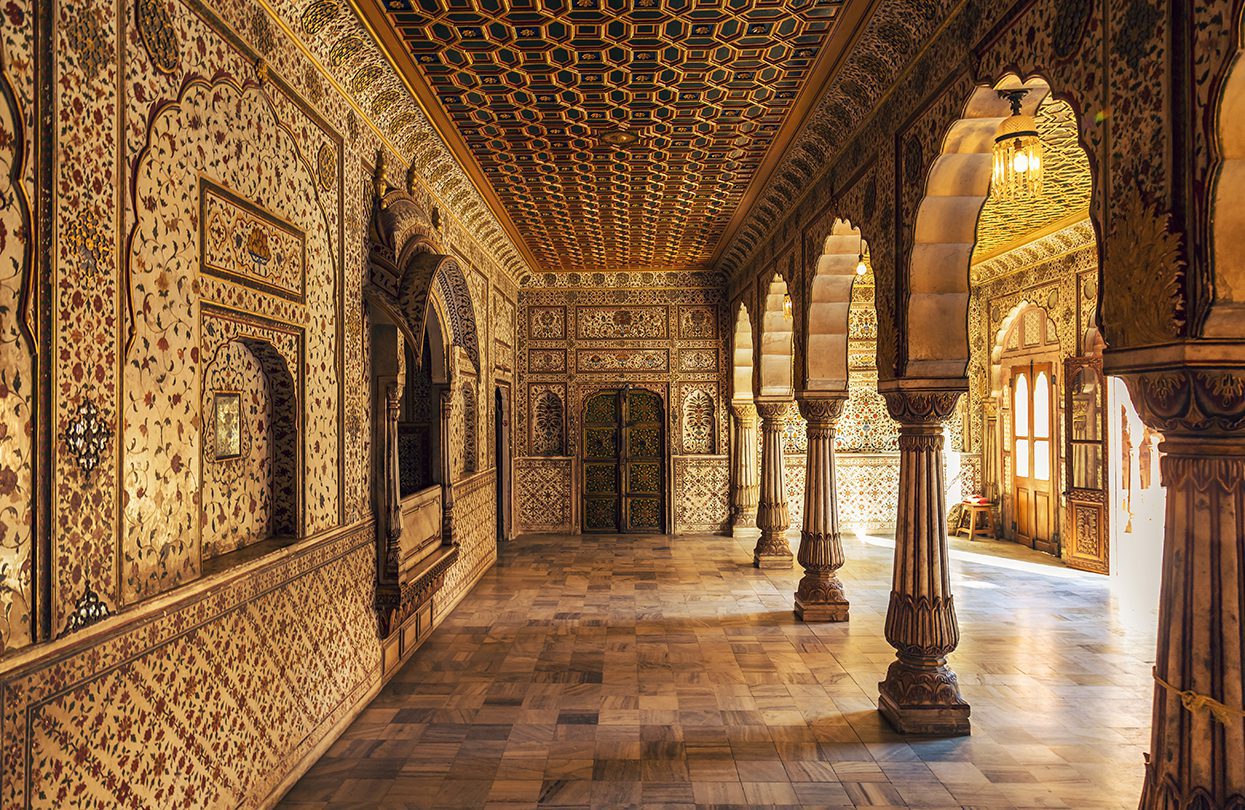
<point>1087,545</point>
<point>643,461</point>
<point>1033,456</point>
<point>624,462</point>
<point>602,476</point>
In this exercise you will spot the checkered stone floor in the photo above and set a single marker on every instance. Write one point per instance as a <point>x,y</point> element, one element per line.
<point>650,671</point>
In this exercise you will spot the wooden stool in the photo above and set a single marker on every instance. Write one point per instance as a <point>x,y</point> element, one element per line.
<point>969,523</point>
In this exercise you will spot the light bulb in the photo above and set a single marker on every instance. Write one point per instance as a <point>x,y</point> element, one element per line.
<point>861,268</point>
<point>1021,163</point>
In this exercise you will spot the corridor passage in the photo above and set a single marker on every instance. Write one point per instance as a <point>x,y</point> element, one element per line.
<point>652,671</point>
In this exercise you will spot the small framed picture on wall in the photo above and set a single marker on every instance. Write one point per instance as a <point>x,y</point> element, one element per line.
<point>226,424</point>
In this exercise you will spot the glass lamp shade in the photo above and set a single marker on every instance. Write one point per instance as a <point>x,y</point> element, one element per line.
<point>786,306</point>
<point>1017,158</point>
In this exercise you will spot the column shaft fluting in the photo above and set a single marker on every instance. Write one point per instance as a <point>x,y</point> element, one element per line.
<point>773,517</point>
<point>920,694</point>
<point>820,595</point>
<point>1197,746</point>
<point>745,480</point>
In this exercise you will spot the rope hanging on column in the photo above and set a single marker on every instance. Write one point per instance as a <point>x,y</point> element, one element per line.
<point>1196,702</point>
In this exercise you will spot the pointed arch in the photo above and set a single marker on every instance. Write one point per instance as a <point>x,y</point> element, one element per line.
<point>777,349</point>
<point>742,354</point>
<point>946,232</point>
<point>830,299</point>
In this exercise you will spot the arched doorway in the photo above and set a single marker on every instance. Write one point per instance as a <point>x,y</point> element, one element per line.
<point>624,468</point>
<point>1028,359</point>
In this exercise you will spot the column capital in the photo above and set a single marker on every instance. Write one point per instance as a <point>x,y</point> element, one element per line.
<point>743,409</point>
<point>1204,403</point>
<point>772,409</point>
<point>821,406</point>
<point>922,402</point>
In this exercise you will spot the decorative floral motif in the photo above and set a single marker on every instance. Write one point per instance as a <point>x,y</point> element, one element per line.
<point>1145,270</point>
<point>244,243</point>
<point>590,360</point>
<point>547,323</point>
<point>699,424</point>
<point>87,435</point>
<point>326,167</point>
<point>155,30</point>
<point>86,37</point>
<point>615,323</point>
<point>88,610</point>
<point>547,423</point>
<point>698,323</point>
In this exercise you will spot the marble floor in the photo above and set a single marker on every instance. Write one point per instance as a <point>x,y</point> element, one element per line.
<point>650,671</point>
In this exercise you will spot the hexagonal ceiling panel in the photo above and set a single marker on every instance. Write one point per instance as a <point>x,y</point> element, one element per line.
<point>616,134</point>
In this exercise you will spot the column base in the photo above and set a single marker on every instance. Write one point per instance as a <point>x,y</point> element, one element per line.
<point>923,699</point>
<point>772,560</point>
<point>821,611</point>
<point>744,521</point>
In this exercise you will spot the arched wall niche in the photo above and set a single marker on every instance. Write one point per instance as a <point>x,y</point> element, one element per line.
<point>830,299</point>
<point>251,450</point>
<point>945,233</point>
<point>742,355</point>
<point>1226,318</point>
<point>777,350</point>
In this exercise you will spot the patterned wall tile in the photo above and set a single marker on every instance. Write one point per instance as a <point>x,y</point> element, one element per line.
<point>542,494</point>
<point>701,494</point>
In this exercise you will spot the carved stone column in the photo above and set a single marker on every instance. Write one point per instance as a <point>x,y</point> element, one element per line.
<point>1197,748</point>
<point>920,694</point>
<point>447,467</point>
<point>773,518</point>
<point>745,486</point>
<point>820,596</point>
<point>388,489</point>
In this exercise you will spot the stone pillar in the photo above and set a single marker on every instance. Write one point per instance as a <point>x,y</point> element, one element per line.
<point>1197,746</point>
<point>920,694</point>
<point>745,487</point>
<point>773,518</point>
<point>447,467</point>
<point>820,596</point>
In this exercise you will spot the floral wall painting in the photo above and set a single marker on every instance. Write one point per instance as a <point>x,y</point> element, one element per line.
<point>227,424</point>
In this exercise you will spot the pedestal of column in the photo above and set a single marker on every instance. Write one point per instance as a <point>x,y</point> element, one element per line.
<point>745,485</point>
<point>820,595</point>
<point>920,694</point>
<point>773,517</point>
<point>1197,748</point>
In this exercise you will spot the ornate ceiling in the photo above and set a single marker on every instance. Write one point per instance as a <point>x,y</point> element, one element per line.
<point>534,96</point>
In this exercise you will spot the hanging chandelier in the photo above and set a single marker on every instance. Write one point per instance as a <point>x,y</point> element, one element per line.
<point>786,306</point>
<point>861,267</point>
<point>1017,152</point>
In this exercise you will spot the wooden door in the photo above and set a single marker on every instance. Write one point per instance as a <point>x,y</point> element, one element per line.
<point>1033,456</point>
<point>602,477</point>
<point>624,462</point>
<point>1087,546</point>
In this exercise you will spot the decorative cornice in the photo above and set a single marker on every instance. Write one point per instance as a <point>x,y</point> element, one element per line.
<point>1070,239</point>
